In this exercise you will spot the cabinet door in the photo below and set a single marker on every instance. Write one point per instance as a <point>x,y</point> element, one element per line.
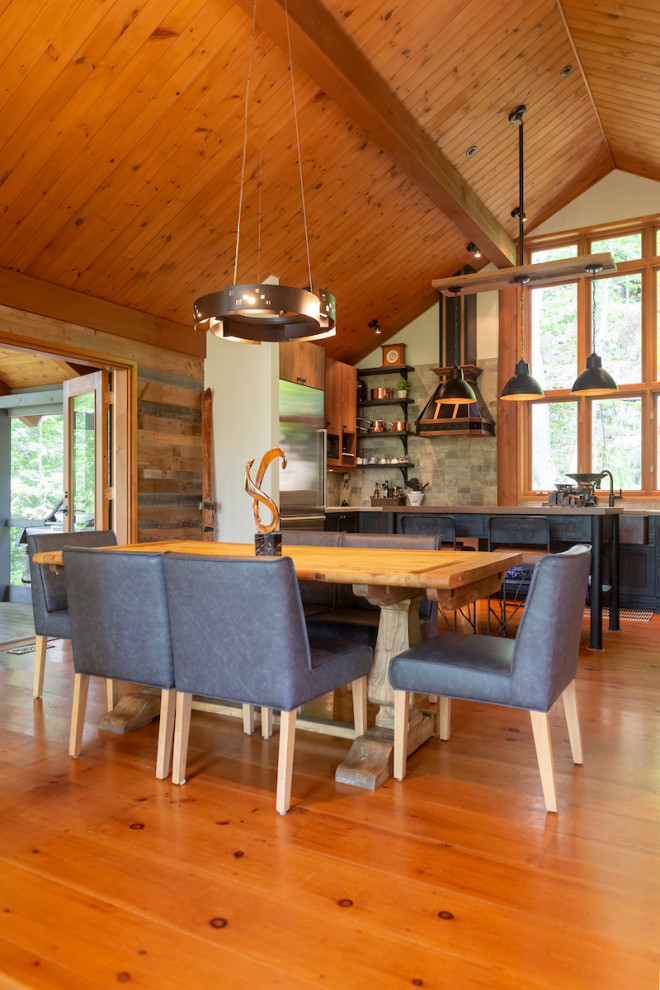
<point>348,398</point>
<point>333,397</point>
<point>304,362</point>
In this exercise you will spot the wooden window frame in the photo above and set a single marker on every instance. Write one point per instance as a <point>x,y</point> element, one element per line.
<point>514,446</point>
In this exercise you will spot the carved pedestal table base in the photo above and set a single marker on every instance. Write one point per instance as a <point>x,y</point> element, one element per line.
<point>369,762</point>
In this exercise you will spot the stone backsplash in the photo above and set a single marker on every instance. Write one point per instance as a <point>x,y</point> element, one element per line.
<point>459,470</point>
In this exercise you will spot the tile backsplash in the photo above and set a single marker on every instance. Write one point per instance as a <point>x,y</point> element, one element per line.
<point>459,470</point>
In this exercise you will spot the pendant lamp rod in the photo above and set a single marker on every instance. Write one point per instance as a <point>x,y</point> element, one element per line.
<point>522,385</point>
<point>455,390</point>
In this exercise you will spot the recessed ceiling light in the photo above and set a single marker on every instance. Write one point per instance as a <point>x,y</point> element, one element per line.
<point>472,150</point>
<point>566,71</point>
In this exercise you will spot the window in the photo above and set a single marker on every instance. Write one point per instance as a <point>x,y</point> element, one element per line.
<point>612,316</point>
<point>554,443</point>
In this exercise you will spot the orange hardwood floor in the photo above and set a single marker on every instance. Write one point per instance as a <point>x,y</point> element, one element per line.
<point>455,878</point>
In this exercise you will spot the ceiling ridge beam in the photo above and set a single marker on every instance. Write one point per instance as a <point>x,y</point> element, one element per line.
<point>331,58</point>
<point>571,42</point>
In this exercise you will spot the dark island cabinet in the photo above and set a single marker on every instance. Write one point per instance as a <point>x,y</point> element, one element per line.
<point>639,542</point>
<point>354,521</point>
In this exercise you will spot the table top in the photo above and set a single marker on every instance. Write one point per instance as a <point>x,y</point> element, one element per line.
<point>439,569</point>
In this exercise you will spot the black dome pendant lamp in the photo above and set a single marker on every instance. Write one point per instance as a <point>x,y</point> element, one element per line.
<point>594,380</point>
<point>455,390</point>
<point>522,386</point>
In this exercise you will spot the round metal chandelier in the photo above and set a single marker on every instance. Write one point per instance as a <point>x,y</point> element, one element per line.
<point>267,311</point>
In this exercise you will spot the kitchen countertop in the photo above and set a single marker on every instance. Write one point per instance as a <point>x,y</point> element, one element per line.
<point>527,509</point>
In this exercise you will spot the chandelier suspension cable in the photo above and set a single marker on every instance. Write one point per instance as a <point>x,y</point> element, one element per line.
<point>261,159</point>
<point>245,137</point>
<point>268,312</point>
<point>295,120</point>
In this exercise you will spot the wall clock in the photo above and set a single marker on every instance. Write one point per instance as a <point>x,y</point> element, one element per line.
<point>394,354</point>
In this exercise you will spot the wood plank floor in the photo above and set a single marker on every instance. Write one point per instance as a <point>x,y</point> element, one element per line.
<point>455,878</point>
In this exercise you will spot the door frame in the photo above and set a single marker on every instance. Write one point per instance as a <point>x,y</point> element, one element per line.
<point>124,420</point>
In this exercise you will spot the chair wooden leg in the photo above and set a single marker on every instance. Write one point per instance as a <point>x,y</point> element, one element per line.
<point>573,722</point>
<point>40,645</point>
<point>165,733</point>
<point>285,760</point>
<point>444,718</point>
<point>181,733</point>
<point>401,710</point>
<point>111,693</point>
<point>266,722</point>
<point>248,719</point>
<point>543,743</point>
<point>80,691</point>
<point>360,705</point>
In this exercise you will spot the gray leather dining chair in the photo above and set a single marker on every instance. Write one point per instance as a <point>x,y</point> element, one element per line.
<point>238,634</point>
<point>120,630</point>
<point>49,599</point>
<point>529,672</point>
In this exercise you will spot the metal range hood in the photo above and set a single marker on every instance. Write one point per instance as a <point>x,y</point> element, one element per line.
<point>458,346</point>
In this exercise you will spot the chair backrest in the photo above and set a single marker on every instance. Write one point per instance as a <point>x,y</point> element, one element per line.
<point>48,584</point>
<point>436,525</point>
<point>119,617</point>
<point>547,643</point>
<point>238,629</point>
<point>519,530</point>
<point>387,541</point>
<point>313,592</point>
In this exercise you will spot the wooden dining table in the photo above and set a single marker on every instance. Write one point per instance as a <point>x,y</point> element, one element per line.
<point>395,581</point>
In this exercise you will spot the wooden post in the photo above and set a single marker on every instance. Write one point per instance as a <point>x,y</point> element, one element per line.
<point>208,505</point>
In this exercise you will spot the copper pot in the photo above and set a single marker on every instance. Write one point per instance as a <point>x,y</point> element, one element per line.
<point>381,393</point>
<point>377,426</point>
<point>400,426</point>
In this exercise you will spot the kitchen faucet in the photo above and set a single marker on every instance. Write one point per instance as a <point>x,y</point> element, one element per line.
<point>612,495</point>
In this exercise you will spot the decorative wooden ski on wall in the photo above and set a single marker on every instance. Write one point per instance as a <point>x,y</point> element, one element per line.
<point>208,505</point>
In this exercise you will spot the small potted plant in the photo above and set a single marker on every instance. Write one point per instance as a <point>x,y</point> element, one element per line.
<point>402,387</point>
<point>416,493</point>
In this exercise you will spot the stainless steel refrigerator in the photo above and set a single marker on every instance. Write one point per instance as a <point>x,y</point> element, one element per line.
<point>303,439</point>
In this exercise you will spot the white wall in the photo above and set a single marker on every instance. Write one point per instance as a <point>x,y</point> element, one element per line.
<point>422,341</point>
<point>619,196</point>
<point>244,379</point>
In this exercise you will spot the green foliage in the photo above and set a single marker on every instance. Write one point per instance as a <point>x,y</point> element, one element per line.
<point>36,467</point>
<point>36,478</point>
<point>616,440</point>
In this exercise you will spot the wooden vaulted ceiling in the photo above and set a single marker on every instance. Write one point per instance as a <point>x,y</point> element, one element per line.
<point>122,139</point>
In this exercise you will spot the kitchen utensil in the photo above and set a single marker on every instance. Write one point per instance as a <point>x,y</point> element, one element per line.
<point>399,426</point>
<point>381,393</point>
<point>378,426</point>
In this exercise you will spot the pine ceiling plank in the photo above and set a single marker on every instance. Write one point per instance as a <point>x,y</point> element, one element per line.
<point>107,102</point>
<point>330,56</point>
<point>129,188</point>
<point>197,173</point>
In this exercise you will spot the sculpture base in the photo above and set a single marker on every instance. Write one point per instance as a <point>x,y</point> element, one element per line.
<point>268,544</point>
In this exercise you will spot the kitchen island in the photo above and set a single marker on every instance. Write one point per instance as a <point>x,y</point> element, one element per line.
<point>596,525</point>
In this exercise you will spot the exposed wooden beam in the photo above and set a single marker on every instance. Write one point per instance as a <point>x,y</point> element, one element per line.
<point>34,296</point>
<point>330,57</point>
